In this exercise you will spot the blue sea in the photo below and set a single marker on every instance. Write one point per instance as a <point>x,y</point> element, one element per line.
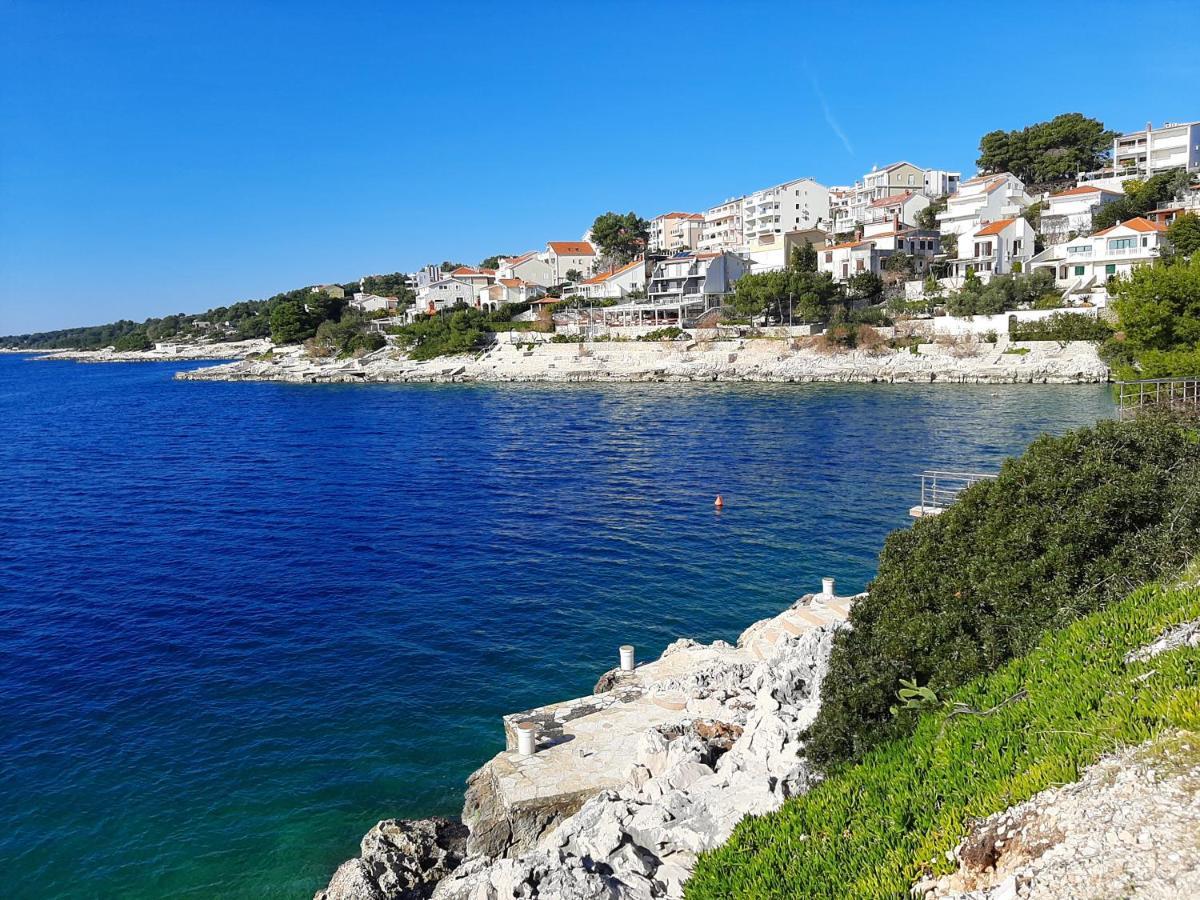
<point>240,623</point>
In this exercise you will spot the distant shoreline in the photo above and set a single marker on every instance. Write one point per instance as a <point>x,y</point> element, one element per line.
<point>741,360</point>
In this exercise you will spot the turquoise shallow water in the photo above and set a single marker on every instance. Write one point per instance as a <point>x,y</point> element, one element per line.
<point>239,623</point>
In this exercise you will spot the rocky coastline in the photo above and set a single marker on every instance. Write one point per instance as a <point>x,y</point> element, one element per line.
<point>183,352</point>
<point>738,360</point>
<point>627,786</point>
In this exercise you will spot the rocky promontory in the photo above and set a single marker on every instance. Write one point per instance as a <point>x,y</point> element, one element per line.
<point>166,352</point>
<point>743,359</point>
<point>627,786</point>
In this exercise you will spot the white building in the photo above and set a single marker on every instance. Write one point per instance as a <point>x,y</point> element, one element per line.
<point>565,256</point>
<point>445,293</point>
<point>984,199</point>
<point>769,214</point>
<point>685,286</point>
<point>853,205</point>
<point>722,227</point>
<point>369,303</point>
<point>1072,210</point>
<point>898,208</point>
<point>1083,266</point>
<point>615,283</point>
<point>675,231</point>
<point>507,290</point>
<point>529,267</point>
<point>994,249</point>
<point>941,183</point>
<point>1174,145</point>
<point>871,252</point>
<point>477,278</point>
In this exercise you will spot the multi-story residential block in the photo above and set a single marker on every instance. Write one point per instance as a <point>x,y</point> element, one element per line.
<point>675,231</point>
<point>529,267</point>
<point>994,249</point>
<point>854,204</point>
<point>565,256</point>
<point>444,293</point>
<point>722,227</point>
<point>878,243</point>
<point>1174,145</point>
<point>615,283</point>
<point>1169,210</point>
<point>688,284</point>
<point>1084,266</point>
<point>984,199</point>
<point>1071,211</point>
<point>770,214</point>
<point>841,199</point>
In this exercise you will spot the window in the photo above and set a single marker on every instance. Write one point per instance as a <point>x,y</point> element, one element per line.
<point>1016,247</point>
<point>829,257</point>
<point>1121,243</point>
<point>910,179</point>
<point>1110,269</point>
<point>1079,270</point>
<point>1146,241</point>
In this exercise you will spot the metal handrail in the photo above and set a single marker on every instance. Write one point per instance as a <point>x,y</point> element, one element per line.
<point>1149,393</point>
<point>935,496</point>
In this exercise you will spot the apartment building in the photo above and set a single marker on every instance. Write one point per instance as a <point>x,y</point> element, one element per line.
<point>984,199</point>
<point>689,284</point>
<point>853,206</point>
<point>871,252</point>
<point>722,227</point>
<point>1174,145</point>
<point>618,282</point>
<point>770,215</point>
<point>675,231</point>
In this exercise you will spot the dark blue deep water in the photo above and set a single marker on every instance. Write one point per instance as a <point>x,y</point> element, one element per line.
<point>239,623</point>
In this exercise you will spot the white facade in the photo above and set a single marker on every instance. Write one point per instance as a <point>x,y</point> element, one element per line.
<point>879,243</point>
<point>722,227</point>
<point>1174,145</point>
<point>563,256</point>
<point>994,248</point>
<point>769,214</point>
<point>369,303</point>
<point>1072,210</point>
<point>1083,266</point>
<point>477,278</point>
<point>614,283</point>
<point>506,290</point>
<point>675,231</point>
<point>902,208</point>
<point>443,294</point>
<point>694,282</point>
<point>529,267</point>
<point>987,198</point>
<point>941,183</point>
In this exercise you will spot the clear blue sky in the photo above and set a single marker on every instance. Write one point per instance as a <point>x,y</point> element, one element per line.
<point>172,156</point>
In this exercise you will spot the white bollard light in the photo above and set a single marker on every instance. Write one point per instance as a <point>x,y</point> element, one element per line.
<point>827,587</point>
<point>627,658</point>
<point>526,738</point>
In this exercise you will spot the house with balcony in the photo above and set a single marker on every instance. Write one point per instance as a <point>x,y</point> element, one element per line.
<point>370,303</point>
<point>528,267</point>
<point>507,290</point>
<point>841,199</point>
<point>616,283</point>
<point>722,227</point>
<point>477,278</point>
<point>1176,145</point>
<point>878,243</point>
<point>1071,211</point>
<point>1084,266</point>
<point>980,201</point>
<point>998,248</point>
<point>899,209</point>
<point>445,293</point>
<point>675,231</point>
<point>685,286</point>
<point>771,214</point>
<point>565,256</point>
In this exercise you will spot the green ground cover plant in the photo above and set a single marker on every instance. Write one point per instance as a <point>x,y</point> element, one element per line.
<point>871,829</point>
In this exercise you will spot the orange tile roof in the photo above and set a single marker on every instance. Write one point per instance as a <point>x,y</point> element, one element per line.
<point>612,273</point>
<point>844,246</point>
<point>466,270</point>
<point>524,257</point>
<point>511,282</point>
<point>1081,189</point>
<point>681,215</point>
<point>994,228</point>
<point>572,248</point>
<point>1138,224</point>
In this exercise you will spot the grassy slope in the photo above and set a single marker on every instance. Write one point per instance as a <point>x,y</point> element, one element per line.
<point>872,828</point>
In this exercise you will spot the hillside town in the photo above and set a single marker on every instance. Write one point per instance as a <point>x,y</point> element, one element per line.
<point>921,232</point>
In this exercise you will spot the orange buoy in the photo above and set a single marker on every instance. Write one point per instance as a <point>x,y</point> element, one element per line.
<point>718,503</point>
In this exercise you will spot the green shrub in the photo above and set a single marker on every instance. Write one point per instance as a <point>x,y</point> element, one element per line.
<point>1074,522</point>
<point>460,331</point>
<point>1062,326</point>
<point>135,340</point>
<point>670,333</point>
<point>872,829</point>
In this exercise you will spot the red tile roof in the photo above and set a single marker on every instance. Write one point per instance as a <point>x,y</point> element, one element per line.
<point>1081,189</point>
<point>612,273</point>
<point>572,248</point>
<point>897,200</point>
<point>994,228</point>
<point>681,215</point>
